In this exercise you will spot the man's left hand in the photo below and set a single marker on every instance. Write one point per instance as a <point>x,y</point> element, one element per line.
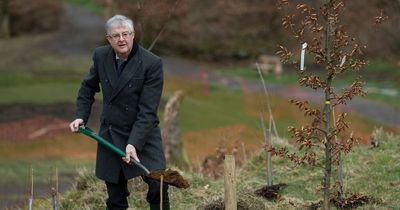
<point>130,153</point>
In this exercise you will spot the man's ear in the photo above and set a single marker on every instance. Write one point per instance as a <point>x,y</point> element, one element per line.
<point>108,40</point>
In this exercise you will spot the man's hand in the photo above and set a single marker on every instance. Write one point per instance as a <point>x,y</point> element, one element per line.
<point>74,125</point>
<point>130,152</point>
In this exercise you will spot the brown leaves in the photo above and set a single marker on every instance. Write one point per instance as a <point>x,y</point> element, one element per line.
<point>380,18</point>
<point>288,21</point>
<point>284,54</point>
<point>282,3</point>
<point>333,48</point>
<point>356,89</point>
<point>312,81</point>
<point>303,106</point>
<point>307,158</point>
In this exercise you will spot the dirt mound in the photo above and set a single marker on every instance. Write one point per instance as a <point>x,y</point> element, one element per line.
<point>27,130</point>
<point>270,192</point>
<point>220,205</point>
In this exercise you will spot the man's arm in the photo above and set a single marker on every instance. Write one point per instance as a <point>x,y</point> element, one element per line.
<point>89,87</point>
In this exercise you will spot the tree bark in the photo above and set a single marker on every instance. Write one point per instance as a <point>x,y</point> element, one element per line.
<point>5,19</point>
<point>327,113</point>
<point>173,147</point>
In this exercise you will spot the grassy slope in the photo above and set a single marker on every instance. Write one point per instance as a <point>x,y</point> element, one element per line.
<point>371,171</point>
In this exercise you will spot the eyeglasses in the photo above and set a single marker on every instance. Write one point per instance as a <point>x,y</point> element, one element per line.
<point>116,37</point>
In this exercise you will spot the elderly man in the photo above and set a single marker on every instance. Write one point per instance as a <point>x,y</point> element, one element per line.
<point>131,80</point>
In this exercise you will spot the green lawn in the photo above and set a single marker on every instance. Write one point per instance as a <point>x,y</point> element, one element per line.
<point>377,74</point>
<point>18,171</point>
<point>223,107</point>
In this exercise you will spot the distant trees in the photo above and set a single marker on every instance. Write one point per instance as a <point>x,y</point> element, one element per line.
<point>19,17</point>
<point>245,29</point>
<point>5,19</point>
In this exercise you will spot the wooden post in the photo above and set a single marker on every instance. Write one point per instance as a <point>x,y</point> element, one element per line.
<point>269,161</point>
<point>268,143</point>
<point>31,198</point>
<point>230,183</point>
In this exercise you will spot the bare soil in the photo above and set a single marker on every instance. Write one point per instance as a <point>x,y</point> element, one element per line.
<point>352,202</point>
<point>270,192</point>
<point>220,205</point>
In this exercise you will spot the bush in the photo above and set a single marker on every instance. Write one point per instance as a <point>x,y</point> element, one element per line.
<point>40,16</point>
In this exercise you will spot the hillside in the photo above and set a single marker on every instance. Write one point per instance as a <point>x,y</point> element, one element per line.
<point>370,171</point>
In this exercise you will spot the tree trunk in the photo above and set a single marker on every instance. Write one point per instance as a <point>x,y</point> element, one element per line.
<point>173,147</point>
<point>327,113</point>
<point>109,9</point>
<point>5,19</point>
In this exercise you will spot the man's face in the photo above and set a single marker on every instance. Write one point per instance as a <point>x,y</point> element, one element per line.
<point>121,40</point>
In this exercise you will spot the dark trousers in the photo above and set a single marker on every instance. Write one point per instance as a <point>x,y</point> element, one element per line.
<point>118,193</point>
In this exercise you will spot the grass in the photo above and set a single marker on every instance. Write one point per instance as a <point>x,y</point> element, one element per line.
<point>377,73</point>
<point>17,171</point>
<point>371,171</point>
<point>38,61</point>
<point>39,93</point>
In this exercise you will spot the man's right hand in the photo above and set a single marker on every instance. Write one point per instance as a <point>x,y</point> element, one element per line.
<point>74,125</point>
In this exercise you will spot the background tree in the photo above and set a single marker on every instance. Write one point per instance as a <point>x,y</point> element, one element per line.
<point>5,19</point>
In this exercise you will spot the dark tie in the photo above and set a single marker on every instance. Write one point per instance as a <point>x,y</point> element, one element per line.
<point>120,66</point>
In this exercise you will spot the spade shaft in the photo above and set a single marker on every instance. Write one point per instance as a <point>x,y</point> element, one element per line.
<point>89,132</point>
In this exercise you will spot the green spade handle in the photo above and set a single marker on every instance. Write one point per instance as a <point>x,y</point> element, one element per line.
<point>89,132</point>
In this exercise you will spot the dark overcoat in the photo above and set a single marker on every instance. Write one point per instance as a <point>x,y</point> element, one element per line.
<point>129,115</point>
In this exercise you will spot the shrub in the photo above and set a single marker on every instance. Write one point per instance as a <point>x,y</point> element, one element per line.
<point>41,16</point>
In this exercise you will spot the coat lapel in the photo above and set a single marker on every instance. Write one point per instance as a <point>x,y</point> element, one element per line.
<point>129,71</point>
<point>109,64</point>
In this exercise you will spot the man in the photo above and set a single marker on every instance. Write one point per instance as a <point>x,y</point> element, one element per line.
<point>131,79</point>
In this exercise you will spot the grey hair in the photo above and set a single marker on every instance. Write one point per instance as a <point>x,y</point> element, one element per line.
<point>119,21</point>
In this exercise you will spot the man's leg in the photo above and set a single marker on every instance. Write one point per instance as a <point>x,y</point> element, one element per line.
<point>153,195</point>
<point>117,194</point>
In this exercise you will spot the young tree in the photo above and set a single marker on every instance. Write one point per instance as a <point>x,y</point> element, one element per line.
<point>318,28</point>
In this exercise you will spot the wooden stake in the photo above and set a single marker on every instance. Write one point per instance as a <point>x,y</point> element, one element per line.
<point>54,191</point>
<point>230,183</point>
<point>268,101</point>
<point>269,161</point>
<point>268,143</point>
<point>31,197</point>
<point>244,152</point>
